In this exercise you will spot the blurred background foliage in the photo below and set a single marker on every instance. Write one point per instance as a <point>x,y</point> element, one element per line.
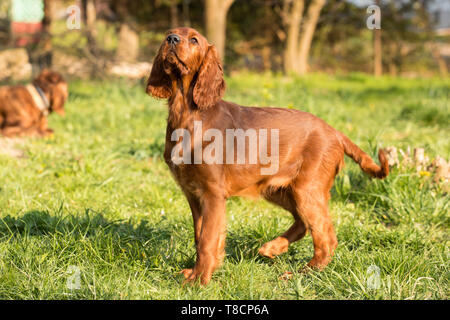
<point>291,36</point>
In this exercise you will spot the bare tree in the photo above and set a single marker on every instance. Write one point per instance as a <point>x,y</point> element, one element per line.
<point>174,13</point>
<point>299,35</point>
<point>47,21</point>
<point>216,23</point>
<point>89,19</point>
<point>128,48</point>
<point>309,27</point>
<point>186,18</point>
<point>377,51</point>
<point>90,15</point>
<point>292,15</point>
<point>439,59</point>
<point>45,54</point>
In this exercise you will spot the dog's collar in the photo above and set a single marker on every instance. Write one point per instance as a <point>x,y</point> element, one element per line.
<point>39,98</point>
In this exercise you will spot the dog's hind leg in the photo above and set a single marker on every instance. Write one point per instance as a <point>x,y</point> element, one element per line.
<point>15,131</point>
<point>284,198</point>
<point>313,208</point>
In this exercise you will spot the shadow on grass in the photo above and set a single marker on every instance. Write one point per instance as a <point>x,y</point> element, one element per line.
<point>36,223</point>
<point>364,192</point>
<point>121,239</point>
<point>394,91</point>
<point>425,115</point>
<point>144,152</point>
<point>244,244</point>
<point>156,244</point>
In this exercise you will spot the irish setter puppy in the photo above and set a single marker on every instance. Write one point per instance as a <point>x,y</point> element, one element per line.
<point>24,109</point>
<point>305,154</point>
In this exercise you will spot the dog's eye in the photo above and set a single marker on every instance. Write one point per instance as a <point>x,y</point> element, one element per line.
<point>194,40</point>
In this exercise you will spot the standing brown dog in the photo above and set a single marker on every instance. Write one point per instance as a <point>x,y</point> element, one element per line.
<point>24,109</point>
<point>188,72</point>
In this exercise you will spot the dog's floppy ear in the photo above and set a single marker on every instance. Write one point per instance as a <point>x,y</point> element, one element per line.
<point>52,76</point>
<point>210,85</point>
<point>47,78</point>
<point>58,97</point>
<point>158,84</point>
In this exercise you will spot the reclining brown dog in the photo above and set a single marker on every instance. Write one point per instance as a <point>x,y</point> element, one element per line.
<point>305,154</point>
<point>24,109</point>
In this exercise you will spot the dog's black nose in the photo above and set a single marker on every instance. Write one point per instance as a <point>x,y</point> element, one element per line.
<point>173,39</point>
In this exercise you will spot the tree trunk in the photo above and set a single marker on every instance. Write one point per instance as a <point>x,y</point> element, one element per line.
<point>292,18</point>
<point>45,58</point>
<point>307,34</point>
<point>90,17</point>
<point>298,38</point>
<point>91,13</point>
<point>377,51</point>
<point>174,14</point>
<point>216,23</point>
<point>266,55</point>
<point>440,61</point>
<point>47,21</point>
<point>186,18</point>
<point>393,54</point>
<point>128,47</point>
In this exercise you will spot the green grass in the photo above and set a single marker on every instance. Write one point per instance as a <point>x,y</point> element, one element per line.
<point>99,197</point>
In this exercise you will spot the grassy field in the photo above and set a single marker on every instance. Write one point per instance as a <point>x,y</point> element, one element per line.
<point>96,201</point>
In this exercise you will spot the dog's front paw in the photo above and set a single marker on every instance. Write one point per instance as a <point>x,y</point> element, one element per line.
<point>186,273</point>
<point>47,133</point>
<point>193,275</point>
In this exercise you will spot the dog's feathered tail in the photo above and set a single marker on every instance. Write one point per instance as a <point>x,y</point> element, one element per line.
<point>365,162</point>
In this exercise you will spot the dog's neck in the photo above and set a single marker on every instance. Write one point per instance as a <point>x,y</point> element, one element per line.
<point>40,98</point>
<point>181,102</point>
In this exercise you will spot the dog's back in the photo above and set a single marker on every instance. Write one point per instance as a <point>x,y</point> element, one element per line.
<point>16,104</point>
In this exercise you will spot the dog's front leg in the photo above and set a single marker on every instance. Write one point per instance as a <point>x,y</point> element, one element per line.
<point>196,211</point>
<point>43,127</point>
<point>211,240</point>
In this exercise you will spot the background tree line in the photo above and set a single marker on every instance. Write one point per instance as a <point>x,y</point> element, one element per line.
<point>294,36</point>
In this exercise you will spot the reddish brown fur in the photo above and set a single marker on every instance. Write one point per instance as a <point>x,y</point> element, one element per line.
<point>19,115</point>
<point>311,153</point>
